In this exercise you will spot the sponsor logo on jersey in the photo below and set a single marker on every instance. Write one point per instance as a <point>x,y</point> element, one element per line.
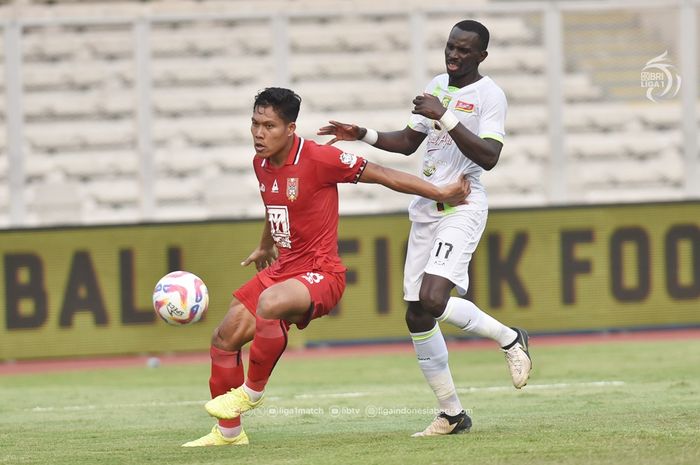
<point>464,106</point>
<point>348,159</point>
<point>278,216</point>
<point>275,188</point>
<point>292,188</point>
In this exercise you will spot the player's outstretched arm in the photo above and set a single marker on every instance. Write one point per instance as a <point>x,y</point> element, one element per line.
<point>453,194</point>
<point>405,141</point>
<point>266,253</point>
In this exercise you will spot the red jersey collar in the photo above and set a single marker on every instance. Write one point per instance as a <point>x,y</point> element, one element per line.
<point>294,152</point>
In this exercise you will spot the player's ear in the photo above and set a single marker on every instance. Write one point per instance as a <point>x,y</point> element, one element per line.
<point>291,128</point>
<point>483,54</point>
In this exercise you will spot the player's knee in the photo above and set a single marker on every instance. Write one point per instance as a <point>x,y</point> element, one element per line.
<point>416,318</point>
<point>233,334</point>
<point>269,304</point>
<point>433,301</point>
<point>226,340</point>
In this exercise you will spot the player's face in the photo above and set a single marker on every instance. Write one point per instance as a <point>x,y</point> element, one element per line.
<point>462,56</point>
<point>272,136</point>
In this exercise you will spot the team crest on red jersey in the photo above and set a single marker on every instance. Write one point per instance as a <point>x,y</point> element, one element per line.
<point>348,159</point>
<point>292,188</point>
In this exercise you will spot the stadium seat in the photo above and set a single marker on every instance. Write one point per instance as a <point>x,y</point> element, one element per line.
<point>49,46</point>
<point>517,173</point>
<point>595,145</point>
<point>344,66</point>
<point>115,46</point>
<point>577,87</point>
<point>661,116</point>
<point>534,146</point>
<point>196,72</point>
<point>182,164</point>
<point>347,36</point>
<point>118,192</point>
<point>204,131</point>
<point>38,167</point>
<point>649,145</point>
<point>176,190</point>
<point>57,203</point>
<point>110,214</point>
<point>231,159</point>
<point>78,75</point>
<point>526,119</point>
<point>92,165</point>
<point>61,105</point>
<point>233,196</point>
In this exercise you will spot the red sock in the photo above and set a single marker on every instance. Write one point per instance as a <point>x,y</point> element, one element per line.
<point>226,374</point>
<point>268,345</point>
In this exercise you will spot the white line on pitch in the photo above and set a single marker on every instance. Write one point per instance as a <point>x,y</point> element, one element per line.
<point>117,406</point>
<point>531,387</point>
<point>336,395</point>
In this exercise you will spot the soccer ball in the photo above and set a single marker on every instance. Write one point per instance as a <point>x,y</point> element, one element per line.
<point>180,298</point>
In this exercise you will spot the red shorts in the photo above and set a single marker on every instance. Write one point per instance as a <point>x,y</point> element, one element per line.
<point>325,288</point>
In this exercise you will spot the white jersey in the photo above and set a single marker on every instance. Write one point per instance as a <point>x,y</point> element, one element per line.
<point>481,108</point>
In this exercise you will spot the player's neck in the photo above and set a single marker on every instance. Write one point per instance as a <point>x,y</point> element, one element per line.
<point>280,158</point>
<point>464,81</point>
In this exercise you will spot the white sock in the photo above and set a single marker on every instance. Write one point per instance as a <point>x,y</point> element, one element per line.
<point>253,395</point>
<point>471,319</point>
<point>431,351</point>
<point>230,432</point>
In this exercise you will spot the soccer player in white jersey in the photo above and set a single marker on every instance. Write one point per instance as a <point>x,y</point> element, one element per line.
<point>462,114</point>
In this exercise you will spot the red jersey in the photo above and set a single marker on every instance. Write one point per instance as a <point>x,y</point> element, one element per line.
<point>301,198</point>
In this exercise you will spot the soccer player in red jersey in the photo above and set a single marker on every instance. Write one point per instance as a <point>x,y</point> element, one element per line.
<point>300,276</point>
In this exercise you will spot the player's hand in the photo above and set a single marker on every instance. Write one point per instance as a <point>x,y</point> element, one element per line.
<point>261,257</point>
<point>341,131</point>
<point>457,192</point>
<point>429,106</point>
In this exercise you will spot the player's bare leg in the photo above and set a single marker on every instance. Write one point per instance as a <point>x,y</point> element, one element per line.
<point>236,329</point>
<point>286,301</point>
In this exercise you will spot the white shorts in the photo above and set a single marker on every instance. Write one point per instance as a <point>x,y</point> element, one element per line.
<point>443,248</point>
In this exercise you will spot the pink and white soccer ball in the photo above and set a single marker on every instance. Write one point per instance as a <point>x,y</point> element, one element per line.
<point>180,298</point>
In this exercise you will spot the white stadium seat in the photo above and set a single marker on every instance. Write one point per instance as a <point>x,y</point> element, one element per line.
<point>57,203</point>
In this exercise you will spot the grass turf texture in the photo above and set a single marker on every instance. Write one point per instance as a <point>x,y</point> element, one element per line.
<point>363,409</point>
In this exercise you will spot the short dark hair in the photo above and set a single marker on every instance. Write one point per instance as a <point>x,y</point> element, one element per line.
<point>469,25</point>
<point>285,102</point>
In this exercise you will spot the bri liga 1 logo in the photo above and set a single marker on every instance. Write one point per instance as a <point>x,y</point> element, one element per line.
<point>660,79</point>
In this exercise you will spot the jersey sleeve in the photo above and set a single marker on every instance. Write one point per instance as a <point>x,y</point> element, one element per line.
<point>334,166</point>
<point>493,116</point>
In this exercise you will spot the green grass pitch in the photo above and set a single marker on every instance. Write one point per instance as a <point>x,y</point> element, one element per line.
<point>604,403</point>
